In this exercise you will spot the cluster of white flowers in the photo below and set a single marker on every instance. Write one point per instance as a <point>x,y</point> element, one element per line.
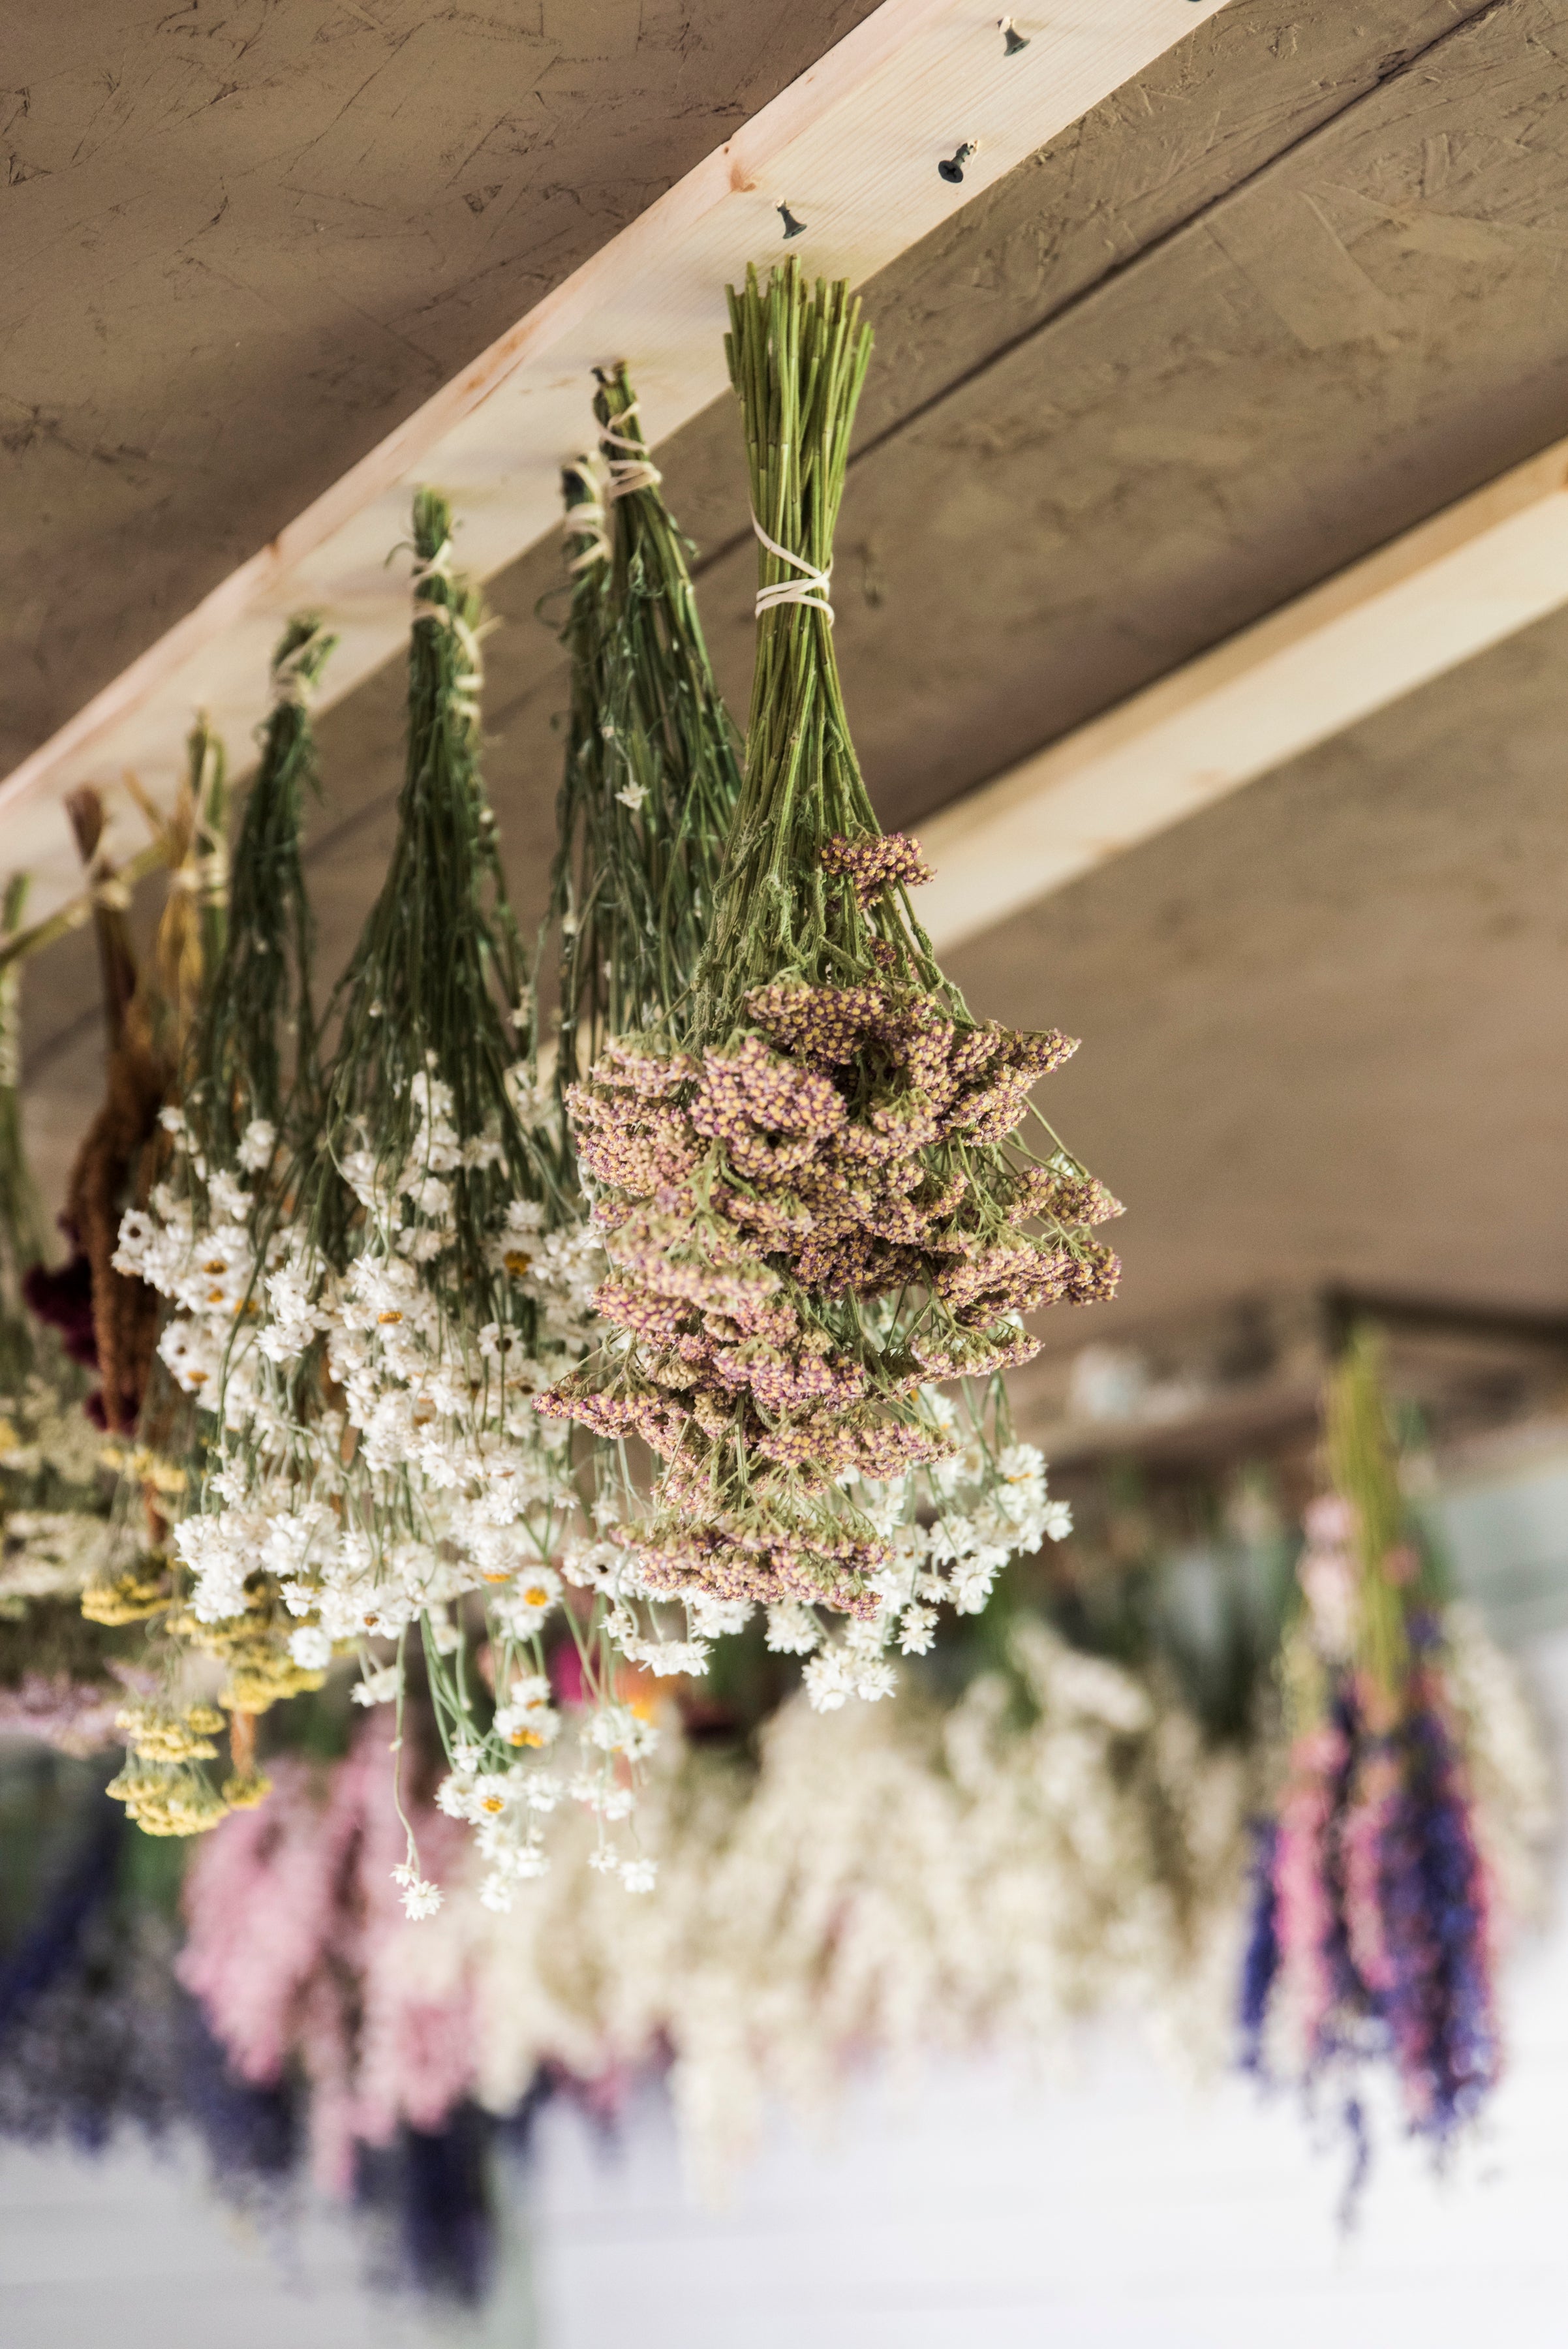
<point>376,1499</point>
<point>952,1527</point>
<point>896,1882</point>
<point>50,1448</point>
<point>416,1472</point>
<point>46,1433</point>
<point>507,1807</point>
<point>51,1553</point>
<point>197,1241</point>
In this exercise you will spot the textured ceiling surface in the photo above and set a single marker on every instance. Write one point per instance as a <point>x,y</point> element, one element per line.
<point>1300,286</point>
<point>242,239</point>
<point>1325,1024</point>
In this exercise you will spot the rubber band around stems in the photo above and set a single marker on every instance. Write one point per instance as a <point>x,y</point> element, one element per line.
<point>810,591</point>
<point>207,877</point>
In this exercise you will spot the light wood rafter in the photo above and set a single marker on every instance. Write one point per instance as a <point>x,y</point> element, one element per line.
<point>1478,572</point>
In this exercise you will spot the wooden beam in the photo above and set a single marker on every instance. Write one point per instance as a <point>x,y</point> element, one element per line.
<point>852,148</point>
<point>1420,605</point>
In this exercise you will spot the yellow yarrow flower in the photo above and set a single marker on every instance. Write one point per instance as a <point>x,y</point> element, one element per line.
<point>138,1591</point>
<point>154,1734</point>
<point>163,1802</point>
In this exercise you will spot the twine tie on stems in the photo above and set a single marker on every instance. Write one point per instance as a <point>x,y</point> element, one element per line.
<point>467,682</point>
<point>810,590</point>
<point>587,519</point>
<point>435,566</point>
<point>449,617</point>
<point>292,681</point>
<point>635,470</point>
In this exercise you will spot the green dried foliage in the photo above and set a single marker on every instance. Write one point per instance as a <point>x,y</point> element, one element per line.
<point>439,974</point>
<point>1363,1467</point>
<point>653,771</point>
<point>797,359</point>
<point>260,989</point>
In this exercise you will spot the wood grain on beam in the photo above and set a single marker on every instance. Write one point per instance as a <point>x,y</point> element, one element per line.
<point>1486,567</point>
<point>852,146</point>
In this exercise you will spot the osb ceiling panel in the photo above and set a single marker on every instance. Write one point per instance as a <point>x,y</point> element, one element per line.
<point>1154,454</point>
<point>242,239</point>
<point>1324,1024</point>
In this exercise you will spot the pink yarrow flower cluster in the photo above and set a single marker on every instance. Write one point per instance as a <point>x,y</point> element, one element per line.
<point>807,1223</point>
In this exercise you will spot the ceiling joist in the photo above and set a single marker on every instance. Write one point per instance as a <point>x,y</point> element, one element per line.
<point>1477,573</point>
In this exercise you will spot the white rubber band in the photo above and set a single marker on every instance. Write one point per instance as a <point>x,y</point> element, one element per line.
<point>291,689</point>
<point>810,591</point>
<point>206,877</point>
<point>467,683</point>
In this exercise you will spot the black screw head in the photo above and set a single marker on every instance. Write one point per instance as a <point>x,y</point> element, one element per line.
<point>791,227</point>
<point>1013,42</point>
<point>953,169</point>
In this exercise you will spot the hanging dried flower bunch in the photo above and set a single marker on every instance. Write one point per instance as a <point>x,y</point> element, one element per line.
<point>652,786</point>
<point>1380,1904</point>
<point>202,1241</point>
<point>809,1181</point>
<point>60,1677</point>
<point>652,773</point>
<point>107,1316</point>
<point>405,1273</point>
<point>65,1545</point>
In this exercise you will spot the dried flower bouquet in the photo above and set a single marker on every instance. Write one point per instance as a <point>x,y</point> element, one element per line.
<point>1383,1889</point>
<point>808,1176</point>
<point>652,785</point>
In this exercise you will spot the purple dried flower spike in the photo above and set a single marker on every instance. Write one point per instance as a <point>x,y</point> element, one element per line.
<point>1372,1916</point>
<point>1373,1928</point>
